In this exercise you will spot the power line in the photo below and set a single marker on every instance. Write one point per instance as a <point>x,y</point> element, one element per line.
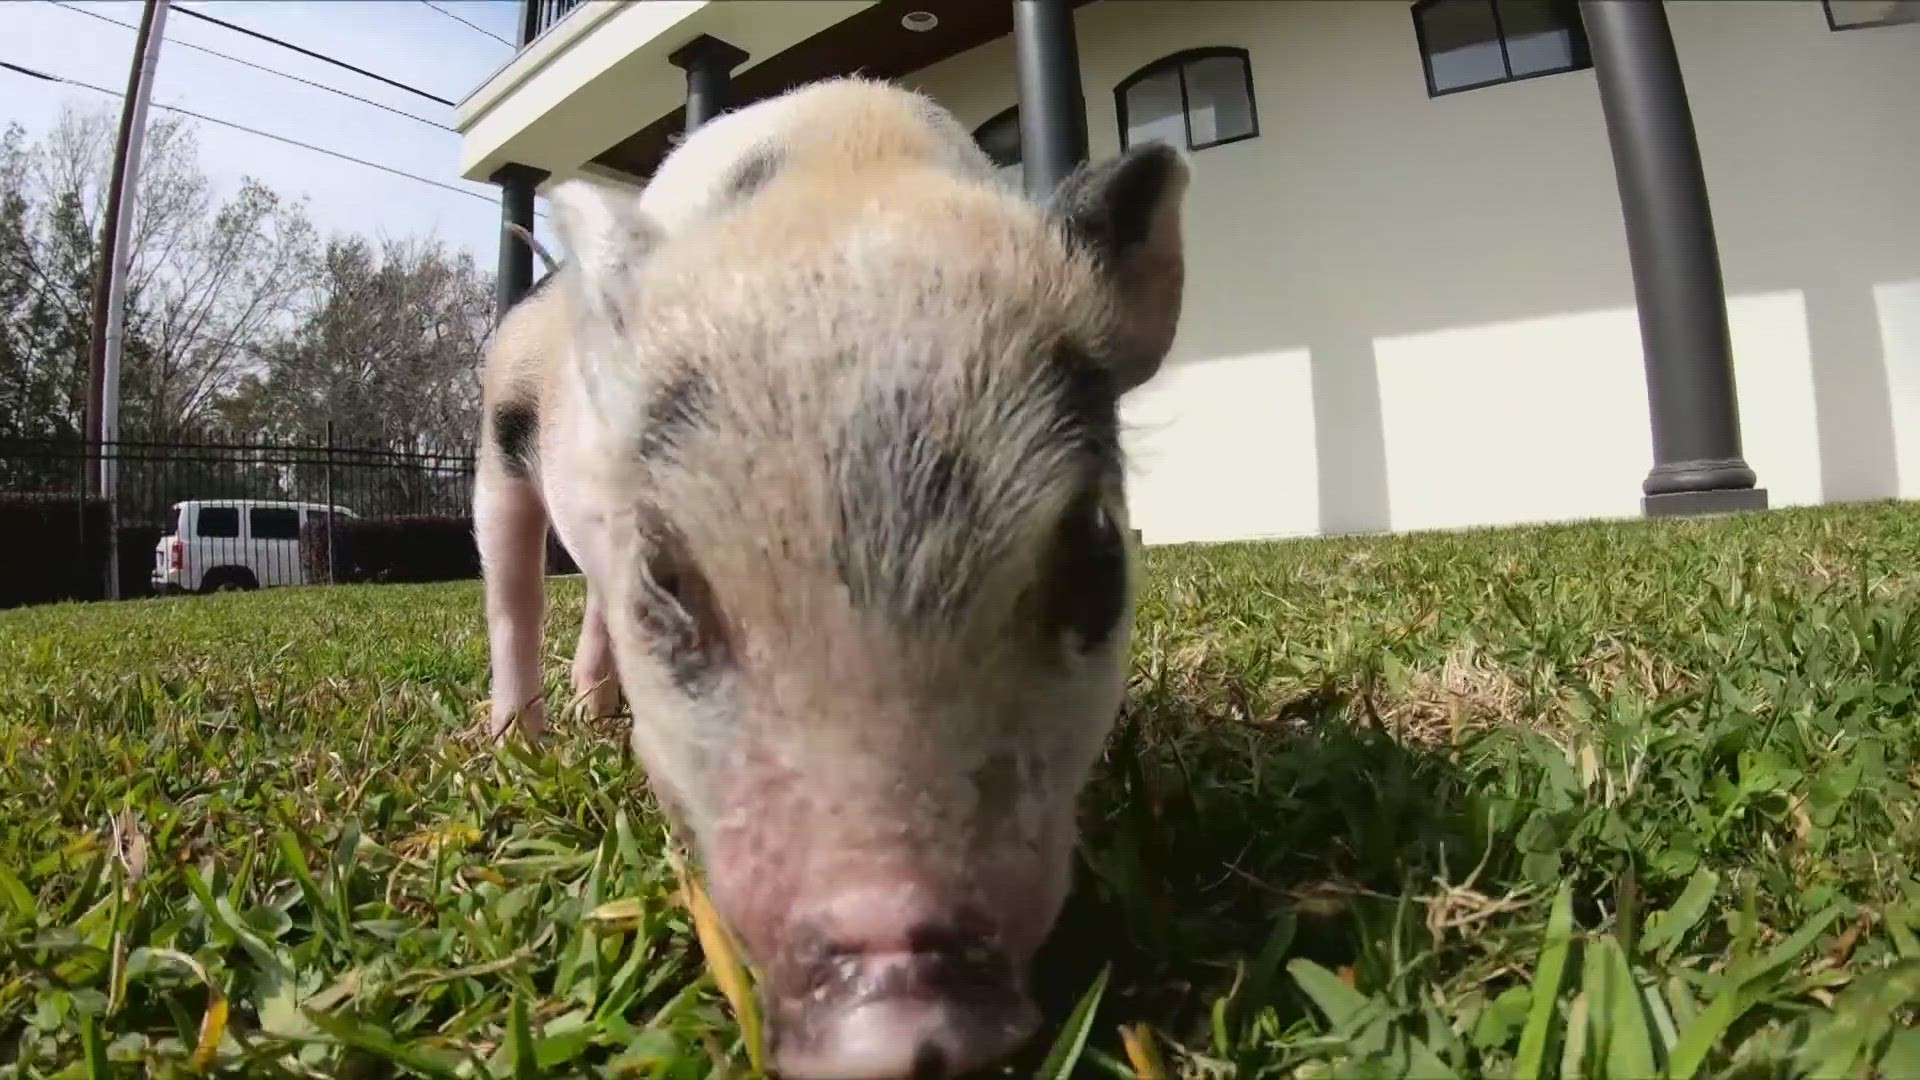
<point>317,56</point>
<point>251,131</point>
<point>464,22</point>
<point>32,74</point>
<point>258,67</point>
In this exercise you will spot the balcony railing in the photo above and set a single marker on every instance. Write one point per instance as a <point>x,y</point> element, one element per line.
<point>538,15</point>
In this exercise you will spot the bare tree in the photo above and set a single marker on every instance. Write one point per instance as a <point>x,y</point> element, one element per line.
<point>208,279</point>
<point>386,348</point>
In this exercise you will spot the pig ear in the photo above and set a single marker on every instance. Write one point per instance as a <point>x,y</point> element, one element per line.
<point>608,238</point>
<point>1126,211</point>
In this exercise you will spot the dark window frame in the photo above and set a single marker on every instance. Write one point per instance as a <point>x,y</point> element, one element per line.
<point>1826,8</point>
<point>1582,49</point>
<point>200,523</point>
<point>1011,112</point>
<point>1178,62</point>
<point>253,520</point>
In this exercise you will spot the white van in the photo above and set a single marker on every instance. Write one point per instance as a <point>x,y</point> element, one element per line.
<point>213,545</point>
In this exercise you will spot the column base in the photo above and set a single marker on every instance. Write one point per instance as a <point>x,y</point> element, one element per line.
<point>1674,504</point>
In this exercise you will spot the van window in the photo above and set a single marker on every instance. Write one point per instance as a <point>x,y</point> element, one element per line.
<point>217,522</point>
<point>173,522</point>
<point>273,523</point>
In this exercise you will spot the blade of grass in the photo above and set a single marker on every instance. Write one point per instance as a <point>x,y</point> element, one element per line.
<point>17,894</point>
<point>1546,987</point>
<point>1142,1054</point>
<point>94,1051</point>
<point>213,1026</point>
<point>526,1063</point>
<point>1573,1055</point>
<point>1629,1053</point>
<point>1672,924</point>
<point>1072,1039</point>
<point>296,864</point>
<point>723,958</point>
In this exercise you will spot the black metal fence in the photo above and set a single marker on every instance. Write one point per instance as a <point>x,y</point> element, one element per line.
<point>226,514</point>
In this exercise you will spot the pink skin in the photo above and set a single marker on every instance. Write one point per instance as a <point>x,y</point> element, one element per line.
<point>595,682</point>
<point>510,529</point>
<point>885,938</point>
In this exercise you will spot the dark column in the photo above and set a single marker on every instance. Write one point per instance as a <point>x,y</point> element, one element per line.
<point>515,277</point>
<point>1697,462</point>
<point>709,64</point>
<point>1053,111</point>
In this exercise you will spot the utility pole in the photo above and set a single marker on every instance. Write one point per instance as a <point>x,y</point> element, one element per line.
<point>109,337</point>
<point>109,232</point>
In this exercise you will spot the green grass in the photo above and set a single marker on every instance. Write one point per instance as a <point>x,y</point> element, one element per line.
<point>1608,801</point>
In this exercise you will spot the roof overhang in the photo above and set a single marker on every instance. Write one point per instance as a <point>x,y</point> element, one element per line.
<point>601,71</point>
<point>874,41</point>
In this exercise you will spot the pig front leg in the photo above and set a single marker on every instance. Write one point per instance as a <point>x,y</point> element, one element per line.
<point>595,683</point>
<point>510,528</point>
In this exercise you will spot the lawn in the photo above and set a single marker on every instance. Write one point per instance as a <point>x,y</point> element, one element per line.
<point>1615,800</point>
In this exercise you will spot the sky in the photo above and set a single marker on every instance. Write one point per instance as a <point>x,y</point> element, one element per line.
<point>405,40</point>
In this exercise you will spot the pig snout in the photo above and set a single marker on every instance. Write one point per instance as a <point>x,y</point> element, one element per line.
<point>885,981</point>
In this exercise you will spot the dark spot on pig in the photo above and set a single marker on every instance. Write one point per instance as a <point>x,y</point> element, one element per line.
<point>1088,400</point>
<point>678,404</point>
<point>750,175</point>
<point>902,489</point>
<point>947,488</point>
<point>516,430</point>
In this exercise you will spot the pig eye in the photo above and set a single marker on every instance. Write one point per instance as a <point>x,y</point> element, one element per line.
<point>681,614</point>
<point>666,577</point>
<point>1087,575</point>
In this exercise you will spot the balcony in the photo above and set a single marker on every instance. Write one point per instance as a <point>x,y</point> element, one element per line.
<point>593,92</point>
<point>539,15</point>
<point>592,73</point>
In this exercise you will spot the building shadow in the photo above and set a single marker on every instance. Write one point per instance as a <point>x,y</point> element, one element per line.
<point>1349,434</point>
<point>1852,400</point>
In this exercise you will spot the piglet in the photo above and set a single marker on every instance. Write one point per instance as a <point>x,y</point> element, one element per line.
<point>827,415</point>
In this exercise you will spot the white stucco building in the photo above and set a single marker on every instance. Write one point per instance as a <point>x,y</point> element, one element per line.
<point>1411,302</point>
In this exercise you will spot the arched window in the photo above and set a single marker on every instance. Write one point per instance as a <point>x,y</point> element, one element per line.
<point>1000,138</point>
<point>1192,99</point>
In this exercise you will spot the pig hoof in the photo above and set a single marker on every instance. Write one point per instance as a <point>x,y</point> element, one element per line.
<point>598,698</point>
<point>530,719</point>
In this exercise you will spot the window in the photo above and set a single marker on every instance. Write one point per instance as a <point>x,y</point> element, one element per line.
<point>1468,44</point>
<point>273,523</point>
<point>1859,14</point>
<point>217,522</point>
<point>173,521</point>
<point>1193,99</point>
<point>1000,138</point>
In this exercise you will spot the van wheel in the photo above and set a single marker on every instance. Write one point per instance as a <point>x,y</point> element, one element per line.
<point>228,579</point>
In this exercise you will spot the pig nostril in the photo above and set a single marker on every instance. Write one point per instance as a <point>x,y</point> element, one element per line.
<point>934,965</point>
<point>929,1063</point>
